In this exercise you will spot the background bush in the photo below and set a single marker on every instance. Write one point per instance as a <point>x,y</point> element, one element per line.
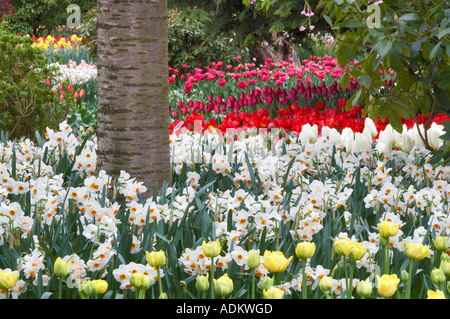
<point>191,43</point>
<point>41,17</point>
<point>27,104</point>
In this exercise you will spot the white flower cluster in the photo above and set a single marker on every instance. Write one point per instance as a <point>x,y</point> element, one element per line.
<point>295,181</point>
<point>73,73</point>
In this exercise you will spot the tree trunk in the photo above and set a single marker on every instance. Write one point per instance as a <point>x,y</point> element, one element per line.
<point>133,91</point>
<point>276,48</point>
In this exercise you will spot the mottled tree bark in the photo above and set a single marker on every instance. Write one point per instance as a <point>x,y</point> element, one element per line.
<point>133,90</point>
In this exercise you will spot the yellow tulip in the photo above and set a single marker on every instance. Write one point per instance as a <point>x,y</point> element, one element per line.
<point>437,276</point>
<point>202,283</point>
<point>445,266</point>
<point>99,286</point>
<point>305,250</point>
<point>61,268</point>
<point>266,283</point>
<point>338,245</point>
<point>387,229</point>
<point>326,283</point>
<point>253,260</point>
<point>354,249</point>
<point>273,293</point>
<point>223,286</point>
<point>274,261</point>
<point>8,279</point>
<point>441,243</point>
<point>137,280</point>
<point>156,258</point>
<point>387,285</point>
<point>211,248</point>
<point>416,251</point>
<point>438,294</point>
<point>364,288</point>
<point>85,289</point>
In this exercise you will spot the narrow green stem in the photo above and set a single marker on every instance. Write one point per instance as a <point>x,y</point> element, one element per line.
<point>141,294</point>
<point>276,278</point>
<point>345,272</point>
<point>304,285</point>
<point>60,288</point>
<point>386,259</point>
<point>350,280</point>
<point>327,295</point>
<point>408,288</point>
<point>444,288</point>
<point>253,284</point>
<point>211,279</point>
<point>159,281</point>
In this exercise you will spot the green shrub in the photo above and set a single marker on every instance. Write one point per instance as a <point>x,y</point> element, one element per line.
<point>88,31</point>
<point>41,17</point>
<point>190,43</point>
<point>27,104</point>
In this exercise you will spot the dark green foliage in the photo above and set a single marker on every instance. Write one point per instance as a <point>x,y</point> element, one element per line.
<point>191,43</point>
<point>41,17</point>
<point>26,103</point>
<point>88,31</point>
<point>252,23</point>
<point>412,40</point>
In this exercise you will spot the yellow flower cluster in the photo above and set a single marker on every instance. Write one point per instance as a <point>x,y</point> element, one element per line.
<point>50,41</point>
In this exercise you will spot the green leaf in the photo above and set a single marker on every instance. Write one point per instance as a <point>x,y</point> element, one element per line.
<point>409,17</point>
<point>415,48</point>
<point>342,57</point>
<point>444,84</point>
<point>357,96</point>
<point>383,48</point>
<point>348,53</point>
<point>353,23</point>
<point>364,79</point>
<point>328,19</point>
<point>446,135</point>
<point>345,80</point>
<point>394,120</point>
<point>443,33</point>
<point>434,51</point>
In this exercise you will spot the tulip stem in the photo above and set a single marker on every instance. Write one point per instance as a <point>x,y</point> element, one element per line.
<point>346,274</point>
<point>159,281</point>
<point>253,284</point>
<point>60,288</point>
<point>304,285</point>
<point>444,288</point>
<point>212,278</point>
<point>408,288</point>
<point>386,260</point>
<point>350,280</point>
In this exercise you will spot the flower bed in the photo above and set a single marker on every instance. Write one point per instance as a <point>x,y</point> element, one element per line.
<point>250,194</point>
<point>277,192</point>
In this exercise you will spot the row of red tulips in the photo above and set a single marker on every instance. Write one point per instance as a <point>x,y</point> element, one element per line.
<point>293,117</point>
<point>268,97</point>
